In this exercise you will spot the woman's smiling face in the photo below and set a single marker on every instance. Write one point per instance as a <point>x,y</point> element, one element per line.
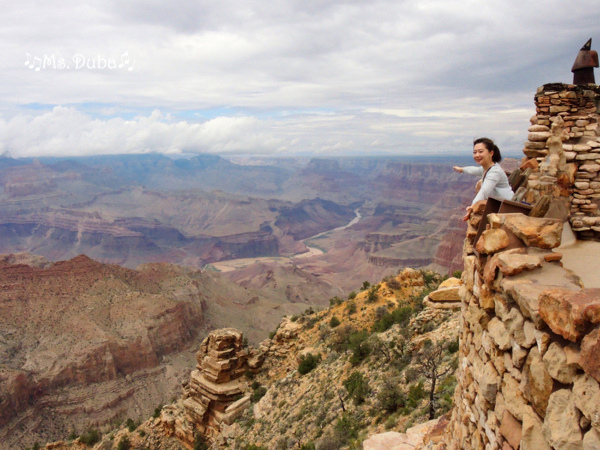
<point>482,155</point>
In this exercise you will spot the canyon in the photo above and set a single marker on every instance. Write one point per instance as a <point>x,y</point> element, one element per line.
<point>134,209</point>
<point>106,283</point>
<point>86,344</point>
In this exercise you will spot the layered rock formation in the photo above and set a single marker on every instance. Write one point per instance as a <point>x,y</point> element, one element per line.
<point>215,394</point>
<point>80,329</point>
<point>83,343</point>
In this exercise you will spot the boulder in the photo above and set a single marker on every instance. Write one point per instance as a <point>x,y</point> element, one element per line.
<point>449,294</point>
<point>492,240</point>
<point>569,313</point>
<point>534,231</point>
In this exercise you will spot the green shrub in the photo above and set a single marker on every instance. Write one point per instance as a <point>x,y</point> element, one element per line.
<point>157,411</point>
<point>200,443</point>
<point>457,274</point>
<point>124,444</point>
<point>365,285</point>
<point>131,426</point>
<point>416,393</point>
<point>400,316</point>
<point>357,387</point>
<point>308,446</point>
<point>453,346</point>
<point>90,437</point>
<point>372,295</point>
<point>333,301</point>
<point>391,422</point>
<point>258,393</point>
<point>380,312</point>
<point>347,426</point>
<point>350,307</point>
<point>446,393</point>
<point>308,362</point>
<point>391,398</point>
<point>352,295</point>
<point>334,322</point>
<point>393,283</point>
<point>255,447</point>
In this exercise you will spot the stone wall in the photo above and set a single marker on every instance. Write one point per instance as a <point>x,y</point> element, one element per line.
<point>529,366</point>
<point>563,149</point>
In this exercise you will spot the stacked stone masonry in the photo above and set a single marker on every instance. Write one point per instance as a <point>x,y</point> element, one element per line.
<point>563,148</point>
<point>529,358</point>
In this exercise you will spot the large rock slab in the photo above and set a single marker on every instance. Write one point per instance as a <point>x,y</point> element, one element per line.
<point>393,440</point>
<point>570,313</point>
<point>448,294</point>
<point>534,231</point>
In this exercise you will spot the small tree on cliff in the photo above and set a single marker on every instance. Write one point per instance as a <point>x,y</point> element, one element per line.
<point>429,363</point>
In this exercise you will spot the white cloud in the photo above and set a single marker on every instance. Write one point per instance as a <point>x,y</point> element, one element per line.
<point>287,76</point>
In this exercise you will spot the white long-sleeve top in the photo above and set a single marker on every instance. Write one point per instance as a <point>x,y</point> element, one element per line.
<point>495,183</point>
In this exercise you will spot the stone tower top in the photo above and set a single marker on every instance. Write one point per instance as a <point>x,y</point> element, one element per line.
<point>583,68</point>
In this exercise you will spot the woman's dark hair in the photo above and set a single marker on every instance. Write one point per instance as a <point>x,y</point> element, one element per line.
<point>489,144</point>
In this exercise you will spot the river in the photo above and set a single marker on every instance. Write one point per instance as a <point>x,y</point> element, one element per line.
<point>233,264</point>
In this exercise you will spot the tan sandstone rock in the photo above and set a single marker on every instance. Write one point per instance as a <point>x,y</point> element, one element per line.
<point>591,440</point>
<point>513,397</point>
<point>534,231</point>
<point>561,425</point>
<point>590,353</point>
<point>511,429</point>
<point>492,240</point>
<point>537,383</point>
<point>532,434</point>
<point>569,313</point>
<point>555,360</point>
<point>586,392</point>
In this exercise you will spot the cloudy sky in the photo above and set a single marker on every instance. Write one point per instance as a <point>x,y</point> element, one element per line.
<point>280,77</point>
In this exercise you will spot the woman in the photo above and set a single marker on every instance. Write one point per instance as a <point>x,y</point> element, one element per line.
<point>494,181</point>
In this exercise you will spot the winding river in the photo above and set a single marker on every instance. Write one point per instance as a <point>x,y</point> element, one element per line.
<point>233,264</point>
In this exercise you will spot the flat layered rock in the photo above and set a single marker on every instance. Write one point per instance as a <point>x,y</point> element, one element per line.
<point>570,313</point>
